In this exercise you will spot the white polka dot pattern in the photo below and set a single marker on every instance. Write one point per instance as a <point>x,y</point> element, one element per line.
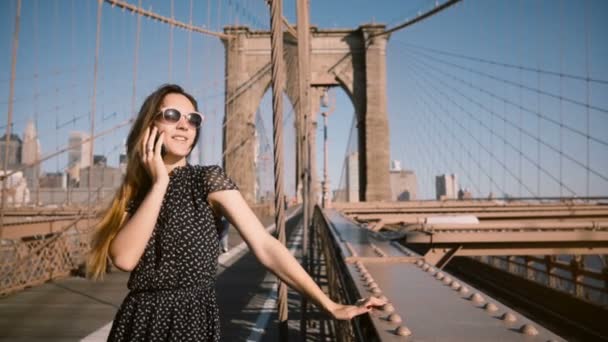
<point>172,288</point>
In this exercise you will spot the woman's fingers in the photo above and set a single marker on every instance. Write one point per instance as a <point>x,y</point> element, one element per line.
<point>159,144</point>
<point>370,303</point>
<point>373,302</point>
<point>151,139</point>
<point>144,143</point>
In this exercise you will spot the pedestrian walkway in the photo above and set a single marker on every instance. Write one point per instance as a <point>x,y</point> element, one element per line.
<point>77,309</point>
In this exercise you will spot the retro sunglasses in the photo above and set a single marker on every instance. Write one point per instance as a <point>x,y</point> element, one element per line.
<point>172,115</point>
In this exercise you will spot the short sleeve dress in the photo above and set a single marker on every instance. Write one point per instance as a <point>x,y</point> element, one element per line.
<point>172,288</point>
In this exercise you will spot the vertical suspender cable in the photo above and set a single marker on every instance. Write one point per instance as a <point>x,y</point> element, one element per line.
<point>276,41</point>
<point>189,56</point>
<point>538,130</point>
<point>561,114</point>
<point>586,20</point>
<point>135,59</point>
<point>303,32</point>
<point>93,104</point>
<point>521,113</point>
<point>9,120</point>
<point>171,41</point>
<point>37,168</point>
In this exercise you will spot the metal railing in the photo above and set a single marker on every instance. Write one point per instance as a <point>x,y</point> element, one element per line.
<point>340,286</point>
<point>572,277</point>
<point>49,254</point>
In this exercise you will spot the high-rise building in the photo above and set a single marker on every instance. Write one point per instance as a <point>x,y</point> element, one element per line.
<point>352,177</point>
<point>403,185</point>
<point>31,154</point>
<point>14,151</point>
<point>446,187</point>
<point>79,155</point>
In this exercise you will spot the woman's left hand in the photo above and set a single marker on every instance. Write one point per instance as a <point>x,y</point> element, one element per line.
<point>346,312</point>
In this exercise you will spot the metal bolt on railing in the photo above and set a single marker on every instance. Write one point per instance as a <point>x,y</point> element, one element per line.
<point>439,275</point>
<point>402,331</point>
<point>528,329</point>
<point>508,317</point>
<point>394,318</point>
<point>491,307</point>
<point>477,298</point>
<point>388,308</point>
<point>464,290</point>
<point>447,280</point>
<point>455,285</point>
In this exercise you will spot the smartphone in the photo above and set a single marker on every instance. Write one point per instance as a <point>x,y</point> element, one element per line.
<point>162,147</point>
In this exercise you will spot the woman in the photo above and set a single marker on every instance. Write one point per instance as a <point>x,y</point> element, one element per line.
<point>161,227</point>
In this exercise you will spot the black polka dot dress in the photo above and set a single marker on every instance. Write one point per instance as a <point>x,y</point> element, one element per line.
<point>172,288</point>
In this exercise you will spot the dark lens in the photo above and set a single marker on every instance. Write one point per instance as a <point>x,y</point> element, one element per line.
<point>195,119</point>
<point>171,115</point>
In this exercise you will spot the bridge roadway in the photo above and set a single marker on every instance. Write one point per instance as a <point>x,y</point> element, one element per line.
<point>77,309</point>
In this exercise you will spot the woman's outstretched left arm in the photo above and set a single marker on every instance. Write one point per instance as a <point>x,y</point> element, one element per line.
<point>274,256</point>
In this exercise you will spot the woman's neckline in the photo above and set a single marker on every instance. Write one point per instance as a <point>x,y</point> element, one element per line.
<point>178,169</point>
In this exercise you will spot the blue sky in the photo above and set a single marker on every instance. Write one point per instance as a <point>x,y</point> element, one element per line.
<point>454,103</point>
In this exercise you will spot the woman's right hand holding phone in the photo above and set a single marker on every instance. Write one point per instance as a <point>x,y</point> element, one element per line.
<point>152,158</point>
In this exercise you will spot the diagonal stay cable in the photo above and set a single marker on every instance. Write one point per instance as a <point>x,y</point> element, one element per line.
<point>540,167</point>
<point>537,113</point>
<point>464,148</point>
<point>529,134</point>
<point>479,143</point>
<point>507,65</point>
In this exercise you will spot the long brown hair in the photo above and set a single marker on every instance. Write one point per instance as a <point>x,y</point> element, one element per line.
<point>136,183</point>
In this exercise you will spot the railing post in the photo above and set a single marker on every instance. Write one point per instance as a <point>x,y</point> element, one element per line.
<point>578,265</point>
<point>550,266</point>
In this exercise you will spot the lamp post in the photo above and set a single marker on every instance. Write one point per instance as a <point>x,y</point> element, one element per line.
<point>328,105</point>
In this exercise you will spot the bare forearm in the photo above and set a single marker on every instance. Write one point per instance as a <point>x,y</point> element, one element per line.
<point>130,242</point>
<point>280,261</point>
<point>277,258</point>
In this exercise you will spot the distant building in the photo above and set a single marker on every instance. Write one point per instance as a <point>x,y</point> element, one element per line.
<point>403,185</point>
<point>31,155</point>
<point>53,180</point>
<point>352,177</point>
<point>100,160</point>
<point>395,165</point>
<point>122,163</point>
<point>102,177</point>
<point>446,187</point>
<point>79,155</point>
<point>14,151</point>
<point>17,193</point>
<point>464,194</point>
